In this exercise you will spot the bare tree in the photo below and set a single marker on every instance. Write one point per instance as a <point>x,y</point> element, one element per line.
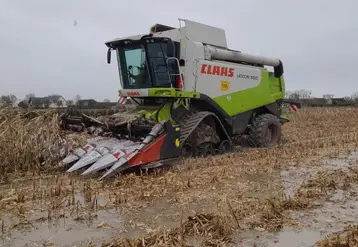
<point>76,99</point>
<point>294,95</point>
<point>8,99</point>
<point>106,101</point>
<point>347,98</point>
<point>328,96</point>
<point>305,94</point>
<point>288,94</point>
<point>13,98</point>
<point>4,99</point>
<point>69,102</point>
<point>28,96</point>
<point>355,96</point>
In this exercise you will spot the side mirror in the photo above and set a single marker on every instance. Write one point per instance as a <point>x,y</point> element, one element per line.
<point>170,49</point>
<point>109,56</point>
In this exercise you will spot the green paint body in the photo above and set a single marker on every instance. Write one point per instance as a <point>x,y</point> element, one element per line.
<point>267,92</point>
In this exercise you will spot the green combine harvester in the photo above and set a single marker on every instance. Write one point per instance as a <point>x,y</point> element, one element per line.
<point>194,96</point>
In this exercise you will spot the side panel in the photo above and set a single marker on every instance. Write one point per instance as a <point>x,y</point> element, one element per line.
<point>221,78</point>
<point>203,33</point>
<point>238,88</point>
<point>249,99</point>
<point>192,53</point>
<point>173,34</point>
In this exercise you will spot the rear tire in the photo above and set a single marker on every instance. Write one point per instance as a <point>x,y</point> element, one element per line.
<point>265,131</point>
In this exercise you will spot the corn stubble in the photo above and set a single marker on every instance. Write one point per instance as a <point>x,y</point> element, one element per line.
<point>346,238</point>
<point>311,135</point>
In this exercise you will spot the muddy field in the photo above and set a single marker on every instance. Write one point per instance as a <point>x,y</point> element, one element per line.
<point>302,193</point>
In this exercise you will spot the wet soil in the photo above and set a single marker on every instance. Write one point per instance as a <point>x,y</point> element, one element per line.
<point>63,229</point>
<point>69,215</point>
<point>331,215</point>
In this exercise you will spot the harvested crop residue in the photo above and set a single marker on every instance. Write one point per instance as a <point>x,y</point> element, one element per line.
<point>292,195</point>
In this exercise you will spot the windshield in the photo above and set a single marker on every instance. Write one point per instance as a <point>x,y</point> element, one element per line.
<point>144,65</point>
<point>133,66</point>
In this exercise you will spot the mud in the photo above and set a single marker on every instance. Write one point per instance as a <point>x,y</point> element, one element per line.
<point>66,232</point>
<point>312,225</point>
<point>69,228</point>
<point>78,225</point>
<point>331,215</point>
<point>63,230</point>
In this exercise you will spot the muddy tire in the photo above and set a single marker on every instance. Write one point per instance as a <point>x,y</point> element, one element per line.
<point>265,131</point>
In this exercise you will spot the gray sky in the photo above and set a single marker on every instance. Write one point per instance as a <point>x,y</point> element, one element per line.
<point>42,52</point>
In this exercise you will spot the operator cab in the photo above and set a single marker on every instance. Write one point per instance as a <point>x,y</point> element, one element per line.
<point>148,62</point>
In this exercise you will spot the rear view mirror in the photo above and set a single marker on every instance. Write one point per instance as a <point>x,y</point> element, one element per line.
<point>109,56</point>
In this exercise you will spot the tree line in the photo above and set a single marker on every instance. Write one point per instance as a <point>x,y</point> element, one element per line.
<point>305,96</point>
<point>12,100</point>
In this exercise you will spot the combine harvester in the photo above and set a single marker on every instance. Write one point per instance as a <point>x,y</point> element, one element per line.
<point>194,96</point>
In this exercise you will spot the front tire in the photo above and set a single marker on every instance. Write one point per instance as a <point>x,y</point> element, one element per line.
<point>265,131</point>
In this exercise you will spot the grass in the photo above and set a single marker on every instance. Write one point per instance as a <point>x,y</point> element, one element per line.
<point>238,191</point>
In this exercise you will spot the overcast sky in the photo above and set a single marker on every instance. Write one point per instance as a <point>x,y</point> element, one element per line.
<point>42,52</point>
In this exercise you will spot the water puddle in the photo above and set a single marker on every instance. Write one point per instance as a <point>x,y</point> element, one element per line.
<point>287,237</point>
<point>339,211</point>
<point>292,238</point>
<point>294,176</point>
<point>333,214</point>
<point>342,162</point>
<point>68,227</point>
<point>292,179</point>
<point>65,233</point>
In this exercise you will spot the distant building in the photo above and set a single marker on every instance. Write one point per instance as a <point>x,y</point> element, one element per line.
<point>93,104</point>
<point>87,103</point>
<point>52,101</point>
<point>337,101</point>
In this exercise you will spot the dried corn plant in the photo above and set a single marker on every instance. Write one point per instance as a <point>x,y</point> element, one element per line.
<point>346,238</point>
<point>216,228</point>
<point>325,182</point>
<point>29,141</point>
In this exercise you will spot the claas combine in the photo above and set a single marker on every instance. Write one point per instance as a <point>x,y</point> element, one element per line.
<point>194,94</point>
